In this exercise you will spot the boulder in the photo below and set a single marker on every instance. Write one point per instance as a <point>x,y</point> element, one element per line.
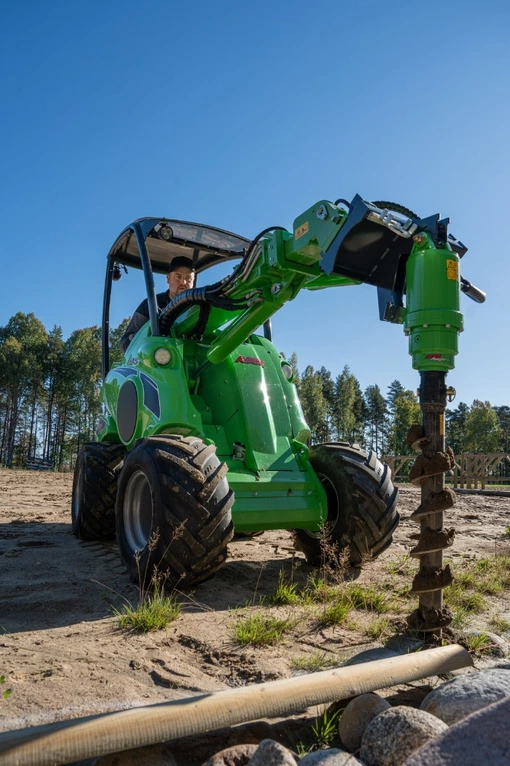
<point>271,753</point>
<point>395,733</point>
<point>481,738</point>
<point>356,717</point>
<point>457,699</point>
<point>330,757</point>
<point>237,755</point>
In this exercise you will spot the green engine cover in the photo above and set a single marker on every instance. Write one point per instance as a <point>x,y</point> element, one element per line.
<point>245,405</point>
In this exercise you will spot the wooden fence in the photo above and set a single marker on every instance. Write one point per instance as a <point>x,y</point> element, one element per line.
<point>471,468</point>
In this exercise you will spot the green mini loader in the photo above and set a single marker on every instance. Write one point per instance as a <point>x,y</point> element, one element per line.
<point>203,433</point>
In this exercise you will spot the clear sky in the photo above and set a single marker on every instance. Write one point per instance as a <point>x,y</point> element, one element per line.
<point>242,116</point>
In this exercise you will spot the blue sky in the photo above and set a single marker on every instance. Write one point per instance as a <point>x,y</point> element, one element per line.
<point>242,116</point>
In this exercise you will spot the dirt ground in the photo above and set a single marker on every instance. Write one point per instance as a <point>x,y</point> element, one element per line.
<point>63,655</point>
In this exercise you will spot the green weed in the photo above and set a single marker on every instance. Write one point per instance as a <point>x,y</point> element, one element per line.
<point>155,612</point>
<point>460,618</point>
<point>478,644</point>
<point>377,629</point>
<point>401,565</point>
<point>7,692</point>
<point>313,662</point>
<point>334,614</point>
<point>500,624</point>
<point>259,630</point>
<point>325,728</point>
<point>367,598</point>
<point>456,597</point>
<point>318,591</point>
<point>285,593</point>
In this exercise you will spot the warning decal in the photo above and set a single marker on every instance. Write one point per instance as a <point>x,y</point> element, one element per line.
<point>452,269</point>
<point>303,229</point>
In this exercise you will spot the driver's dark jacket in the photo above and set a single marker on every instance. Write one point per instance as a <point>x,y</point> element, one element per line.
<point>140,317</point>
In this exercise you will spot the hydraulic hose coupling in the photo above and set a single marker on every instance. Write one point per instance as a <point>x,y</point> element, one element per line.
<point>433,319</point>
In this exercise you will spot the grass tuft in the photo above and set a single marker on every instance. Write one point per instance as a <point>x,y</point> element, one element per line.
<point>317,591</point>
<point>401,565</point>
<point>500,624</point>
<point>313,662</point>
<point>369,599</point>
<point>334,614</point>
<point>478,644</point>
<point>325,728</point>
<point>259,630</point>
<point>378,629</point>
<point>155,612</point>
<point>460,618</point>
<point>285,593</point>
<point>7,692</point>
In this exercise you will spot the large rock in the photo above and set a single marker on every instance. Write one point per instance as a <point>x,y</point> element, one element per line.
<point>459,698</point>
<point>271,753</point>
<point>330,757</point>
<point>237,755</point>
<point>356,717</point>
<point>481,738</point>
<point>395,733</point>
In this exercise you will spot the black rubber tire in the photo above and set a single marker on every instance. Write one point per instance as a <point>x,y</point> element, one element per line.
<point>174,510</point>
<point>362,503</point>
<point>94,490</point>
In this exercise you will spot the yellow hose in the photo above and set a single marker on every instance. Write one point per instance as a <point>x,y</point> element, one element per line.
<point>65,741</point>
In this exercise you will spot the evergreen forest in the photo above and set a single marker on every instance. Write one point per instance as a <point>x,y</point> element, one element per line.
<point>49,401</point>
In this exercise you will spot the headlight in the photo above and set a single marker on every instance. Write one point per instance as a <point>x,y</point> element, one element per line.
<point>162,356</point>
<point>166,233</point>
<point>287,371</point>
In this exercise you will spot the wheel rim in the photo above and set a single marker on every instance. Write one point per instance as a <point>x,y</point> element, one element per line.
<point>333,505</point>
<point>137,511</point>
<point>77,495</point>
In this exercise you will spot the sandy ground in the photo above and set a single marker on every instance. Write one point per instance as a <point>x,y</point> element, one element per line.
<point>64,657</point>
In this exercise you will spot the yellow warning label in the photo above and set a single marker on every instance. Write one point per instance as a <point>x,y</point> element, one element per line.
<point>441,425</point>
<point>303,229</point>
<point>452,269</point>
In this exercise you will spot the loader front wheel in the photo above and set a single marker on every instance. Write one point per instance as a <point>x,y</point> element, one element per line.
<point>362,502</point>
<point>173,511</point>
<point>95,489</point>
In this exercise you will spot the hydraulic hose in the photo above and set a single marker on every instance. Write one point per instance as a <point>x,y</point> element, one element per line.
<point>69,741</point>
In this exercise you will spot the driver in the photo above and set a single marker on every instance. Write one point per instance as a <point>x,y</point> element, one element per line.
<point>180,277</point>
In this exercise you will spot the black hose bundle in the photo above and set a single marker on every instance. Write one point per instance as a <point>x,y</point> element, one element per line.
<point>214,295</point>
<point>204,296</point>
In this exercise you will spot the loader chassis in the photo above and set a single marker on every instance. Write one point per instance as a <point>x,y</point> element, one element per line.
<point>203,431</point>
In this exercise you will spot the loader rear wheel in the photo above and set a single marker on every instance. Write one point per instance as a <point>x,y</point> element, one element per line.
<point>94,490</point>
<point>174,510</point>
<point>362,503</point>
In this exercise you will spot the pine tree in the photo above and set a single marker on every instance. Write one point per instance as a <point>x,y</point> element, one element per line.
<point>376,417</point>
<point>406,412</point>
<point>503,414</point>
<point>483,432</point>
<point>344,415</point>
<point>314,403</point>
<point>456,428</point>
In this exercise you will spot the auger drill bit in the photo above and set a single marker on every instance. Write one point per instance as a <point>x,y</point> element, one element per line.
<point>432,322</point>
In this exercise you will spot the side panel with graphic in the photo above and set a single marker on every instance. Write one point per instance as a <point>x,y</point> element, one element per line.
<point>144,398</point>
